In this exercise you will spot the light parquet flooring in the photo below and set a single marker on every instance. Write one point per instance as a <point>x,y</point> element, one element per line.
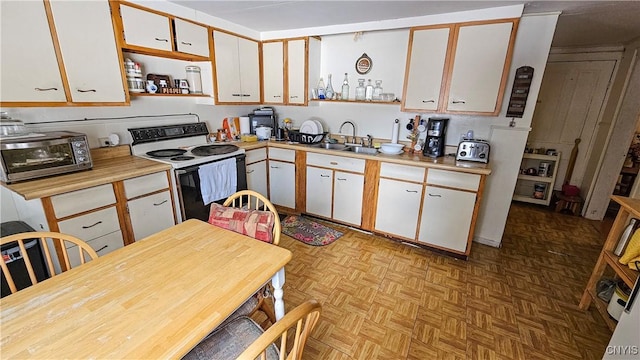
<point>386,300</point>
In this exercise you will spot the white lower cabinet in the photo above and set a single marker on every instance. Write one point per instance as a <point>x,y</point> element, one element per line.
<point>319,191</point>
<point>257,170</point>
<point>398,207</point>
<point>348,190</point>
<point>446,218</point>
<point>150,214</point>
<point>102,245</point>
<point>282,183</point>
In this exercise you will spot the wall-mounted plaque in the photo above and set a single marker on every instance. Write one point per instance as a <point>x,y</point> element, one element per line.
<point>363,64</point>
<point>520,91</point>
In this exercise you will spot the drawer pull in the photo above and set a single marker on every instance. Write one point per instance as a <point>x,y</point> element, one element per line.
<point>84,91</point>
<point>459,102</point>
<point>341,179</point>
<point>250,171</point>
<point>46,89</point>
<point>428,101</point>
<point>275,167</point>
<point>160,203</point>
<point>293,96</point>
<point>412,191</point>
<point>236,95</point>
<point>185,43</point>
<point>102,248</point>
<point>90,226</point>
<point>435,195</point>
<point>333,163</point>
<point>165,40</point>
<point>324,175</point>
<point>277,96</point>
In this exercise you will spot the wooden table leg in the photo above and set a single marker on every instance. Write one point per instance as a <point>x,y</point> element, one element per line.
<point>278,282</point>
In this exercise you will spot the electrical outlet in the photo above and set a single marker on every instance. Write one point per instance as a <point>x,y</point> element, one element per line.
<point>104,142</point>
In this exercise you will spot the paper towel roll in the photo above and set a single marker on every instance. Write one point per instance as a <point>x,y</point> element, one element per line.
<point>244,125</point>
<point>395,133</point>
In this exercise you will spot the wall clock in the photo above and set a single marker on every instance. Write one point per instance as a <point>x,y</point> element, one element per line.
<point>363,64</point>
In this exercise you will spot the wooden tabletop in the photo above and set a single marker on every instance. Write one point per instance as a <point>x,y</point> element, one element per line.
<point>154,299</point>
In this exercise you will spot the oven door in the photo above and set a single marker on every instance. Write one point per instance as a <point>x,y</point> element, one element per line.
<point>188,183</point>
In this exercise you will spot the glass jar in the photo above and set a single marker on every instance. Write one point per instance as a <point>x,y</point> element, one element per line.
<point>360,90</point>
<point>377,91</point>
<point>368,94</point>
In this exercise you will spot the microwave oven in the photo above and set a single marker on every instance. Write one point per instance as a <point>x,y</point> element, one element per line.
<point>34,155</point>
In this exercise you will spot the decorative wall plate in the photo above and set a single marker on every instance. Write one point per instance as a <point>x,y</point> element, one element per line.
<point>363,64</point>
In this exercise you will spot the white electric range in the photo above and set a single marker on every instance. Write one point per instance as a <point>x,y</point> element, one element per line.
<point>185,148</point>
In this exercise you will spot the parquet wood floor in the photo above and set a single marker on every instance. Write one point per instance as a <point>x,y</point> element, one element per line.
<point>386,300</point>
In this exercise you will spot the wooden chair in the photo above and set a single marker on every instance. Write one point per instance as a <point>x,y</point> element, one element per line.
<point>255,201</point>
<point>82,248</point>
<point>245,340</point>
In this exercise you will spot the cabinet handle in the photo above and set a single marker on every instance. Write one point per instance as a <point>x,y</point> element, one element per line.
<point>324,175</point>
<point>459,102</point>
<point>294,96</point>
<point>412,191</point>
<point>333,163</point>
<point>160,203</point>
<point>428,101</point>
<point>250,171</point>
<point>236,95</point>
<point>102,248</point>
<point>84,91</point>
<point>185,43</point>
<point>90,226</point>
<point>277,96</point>
<point>435,195</point>
<point>165,40</point>
<point>246,95</point>
<point>341,179</point>
<point>46,89</point>
<point>275,167</point>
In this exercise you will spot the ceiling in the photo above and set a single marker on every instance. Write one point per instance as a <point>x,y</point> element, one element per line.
<point>581,23</point>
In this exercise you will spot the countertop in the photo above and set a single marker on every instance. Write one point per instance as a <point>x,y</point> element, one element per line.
<point>444,162</point>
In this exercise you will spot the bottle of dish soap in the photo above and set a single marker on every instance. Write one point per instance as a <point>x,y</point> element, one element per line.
<point>321,93</point>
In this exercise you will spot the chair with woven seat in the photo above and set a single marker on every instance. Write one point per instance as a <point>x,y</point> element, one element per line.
<point>84,253</point>
<point>244,339</point>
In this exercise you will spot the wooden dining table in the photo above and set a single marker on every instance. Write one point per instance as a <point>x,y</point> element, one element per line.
<point>154,299</point>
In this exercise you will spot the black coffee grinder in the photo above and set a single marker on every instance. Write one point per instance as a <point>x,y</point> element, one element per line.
<point>436,131</point>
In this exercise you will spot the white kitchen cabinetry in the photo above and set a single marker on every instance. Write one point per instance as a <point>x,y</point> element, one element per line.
<point>191,38</point>
<point>149,204</point>
<point>319,191</point>
<point>348,190</point>
<point>237,69</point>
<point>282,177</point>
<point>146,29</point>
<point>398,207</point>
<point>89,70</point>
<point>297,70</point>
<point>257,170</point>
<point>273,72</point>
<point>467,76</point>
<point>536,189</point>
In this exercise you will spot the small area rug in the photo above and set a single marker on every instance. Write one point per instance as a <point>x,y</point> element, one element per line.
<point>308,231</point>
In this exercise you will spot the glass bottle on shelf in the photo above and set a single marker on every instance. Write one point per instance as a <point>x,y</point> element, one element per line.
<point>321,93</point>
<point>360,90</point>
<point>328,93</point>
<point>377,91</point>
<point>368,94</point>
<point>345,87</point>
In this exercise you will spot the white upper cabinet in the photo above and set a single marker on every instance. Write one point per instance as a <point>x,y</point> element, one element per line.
<point>237,68</point>
<point>29,70</point>
<point>191,38</point>
<point>458,68</point>
<point>479,68</point>
<point>273,71</point>
<point>89,50</point>
<point>297,71</point>
<point>425,67</point>
<point>146,29</point>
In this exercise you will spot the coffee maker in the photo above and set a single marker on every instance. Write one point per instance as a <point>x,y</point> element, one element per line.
<point>436,132</point>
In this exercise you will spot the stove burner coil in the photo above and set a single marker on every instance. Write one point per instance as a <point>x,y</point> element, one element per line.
<point>166,153</point>
<point>182,158</point>
<point>208,150</point>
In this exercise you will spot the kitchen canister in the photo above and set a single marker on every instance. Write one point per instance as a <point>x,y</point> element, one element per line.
<point>618,300</point>
<point>538,190</point>
<point>194,79</point>
<point>543,168</point>
<point>625,237</point>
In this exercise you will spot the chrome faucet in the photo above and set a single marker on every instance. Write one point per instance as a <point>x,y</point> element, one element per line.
<point>346,138</point>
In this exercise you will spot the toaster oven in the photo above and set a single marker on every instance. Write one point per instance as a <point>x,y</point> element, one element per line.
<point>32,156</point>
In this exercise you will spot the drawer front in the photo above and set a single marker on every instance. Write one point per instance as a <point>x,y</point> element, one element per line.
<point>402,172</point>
<point>282,154</point>
<point>453,179</point>
<point>256,155</point>
<point>145,184</point>
<point>102,245</point>
<point>92,225</point>
<point>336,162</point>
<point>82,200</point>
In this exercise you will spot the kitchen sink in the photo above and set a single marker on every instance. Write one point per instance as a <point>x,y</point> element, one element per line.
<point>362,150</point>
<point>330,146</point>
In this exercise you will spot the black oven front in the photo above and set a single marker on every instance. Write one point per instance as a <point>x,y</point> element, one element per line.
<point>190,196</point>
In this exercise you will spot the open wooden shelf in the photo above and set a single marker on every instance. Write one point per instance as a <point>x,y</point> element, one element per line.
<point>602,309</point>
<point>158,95</point>
<point>357,102</point>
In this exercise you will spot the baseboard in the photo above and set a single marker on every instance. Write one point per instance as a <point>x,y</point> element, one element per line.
<point>489,242</point>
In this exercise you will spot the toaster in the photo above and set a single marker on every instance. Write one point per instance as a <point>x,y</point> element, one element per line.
<point>473,150</point>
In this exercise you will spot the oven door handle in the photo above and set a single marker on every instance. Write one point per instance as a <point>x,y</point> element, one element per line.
<point>195,168</point>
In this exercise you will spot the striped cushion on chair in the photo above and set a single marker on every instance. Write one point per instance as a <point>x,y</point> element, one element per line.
<point>255,223</point>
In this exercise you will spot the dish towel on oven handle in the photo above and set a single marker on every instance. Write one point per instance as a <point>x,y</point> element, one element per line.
<point>218,180</point>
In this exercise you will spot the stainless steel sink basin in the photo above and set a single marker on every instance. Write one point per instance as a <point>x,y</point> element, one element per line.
<point>362,150</point>
<point>329,146</point>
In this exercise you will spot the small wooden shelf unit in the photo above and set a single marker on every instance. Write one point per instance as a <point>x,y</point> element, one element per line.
<point>629,208</point>
<point>524,186</point>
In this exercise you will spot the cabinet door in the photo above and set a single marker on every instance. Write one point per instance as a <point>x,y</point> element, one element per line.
<point>398,207</point>
<point>151,214</point>
<point>478,67</point>
<point>249,70</point>
<point>257,177</point>
<point>191,38</point>
<point>348,189</point>
<point>273,71</point>
<point>227,64</point>
<point>102,245</point>
<point>446,218</point>
<point>425,70</point>
<point>88,46</point>
<point>296,70</point>
<point>29,70</point>
<point>319,191</point>
<point>147,29</point>
<point>91,225</point>
<point>282,183</point>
